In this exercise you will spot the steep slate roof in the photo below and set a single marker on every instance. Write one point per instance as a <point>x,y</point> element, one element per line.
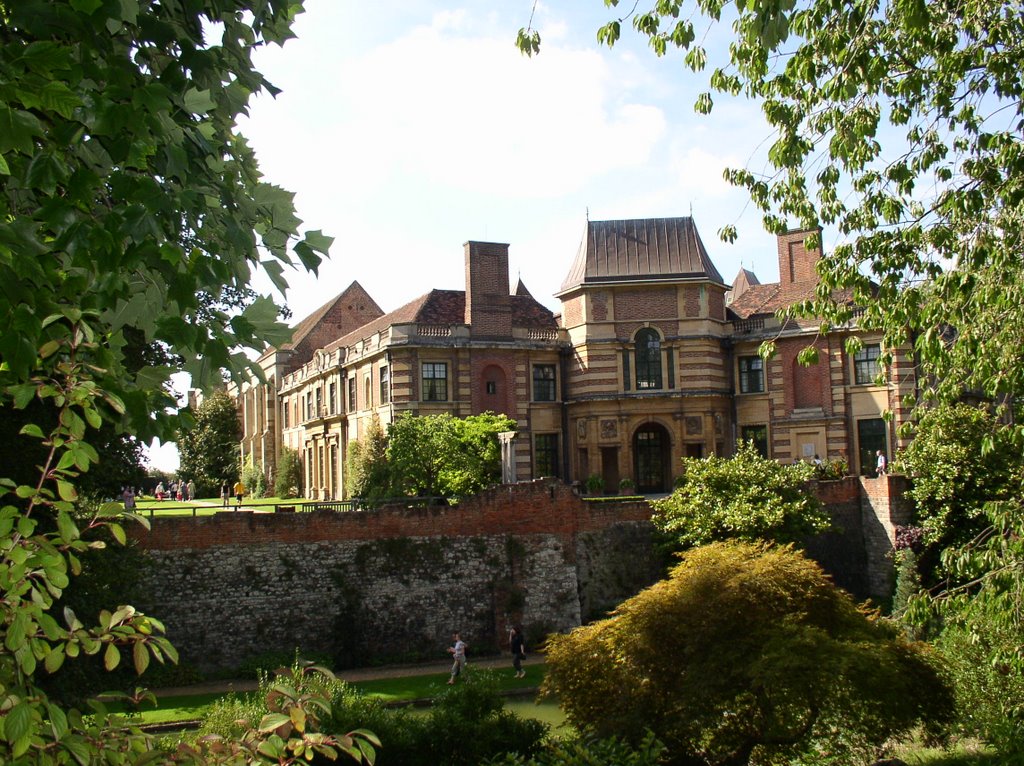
<point>648,249</point>
<point>448,307</point>
<point>521,289</point>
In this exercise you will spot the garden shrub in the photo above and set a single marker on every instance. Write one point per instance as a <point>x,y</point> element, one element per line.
<point>254,480</point>
<point>288,477</point>
<point>746,654</point>
<point>466,726</point>
<point>284,722</point>
<point>588,750</point>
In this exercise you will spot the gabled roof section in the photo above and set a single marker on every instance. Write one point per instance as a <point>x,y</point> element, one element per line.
<point>348,310</point>
<point>743,282</point>
<point>448,307</point>
<point>642,250</point>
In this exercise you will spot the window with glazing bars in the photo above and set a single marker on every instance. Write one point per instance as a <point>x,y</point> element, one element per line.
<point>435,382</point>
<point>648,360</point>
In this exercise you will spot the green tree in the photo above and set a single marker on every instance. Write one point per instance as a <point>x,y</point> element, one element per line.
<point>961,458</point>
<point>476,463</point>
<point>744,497</point>
<point>254,479</point>
<point>209,448</point>
<point>288,478</point>
<point>981,610</point>
<point>443,456</point>
<point>897,126</point>
<point>131,218</point>
<point>368,473</point>
<point>419,450</point>
<point>746,654</point>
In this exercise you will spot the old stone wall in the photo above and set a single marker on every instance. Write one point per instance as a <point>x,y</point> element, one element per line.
<point>391,583</point>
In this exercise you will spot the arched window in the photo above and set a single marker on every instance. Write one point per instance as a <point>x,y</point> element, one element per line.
<point>648,360</point>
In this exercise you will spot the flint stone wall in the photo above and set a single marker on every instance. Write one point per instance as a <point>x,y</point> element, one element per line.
<point>393,583</point>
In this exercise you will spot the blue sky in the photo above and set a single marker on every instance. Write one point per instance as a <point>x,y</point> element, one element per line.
<point>406,129</point>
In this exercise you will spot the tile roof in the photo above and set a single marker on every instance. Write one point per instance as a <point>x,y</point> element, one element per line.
<point>765,300</point>
<point>641,250</point>
<point>305,326</point>
<point>448,307</point>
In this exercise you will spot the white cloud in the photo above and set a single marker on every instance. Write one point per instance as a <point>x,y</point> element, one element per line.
<point>403,140</point>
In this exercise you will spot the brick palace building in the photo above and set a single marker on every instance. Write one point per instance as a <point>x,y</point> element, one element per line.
<point>653,358</point>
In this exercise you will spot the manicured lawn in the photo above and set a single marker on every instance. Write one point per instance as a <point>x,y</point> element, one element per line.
<point>402,689</point>
<point>184,708</point>
<point>206,506</point>
<point>409,688</point>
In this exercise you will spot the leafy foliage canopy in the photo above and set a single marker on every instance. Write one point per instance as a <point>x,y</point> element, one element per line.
<point>746,654</point>
<point>209,448</point>
<point>132,215</point>
<point>745,497</point>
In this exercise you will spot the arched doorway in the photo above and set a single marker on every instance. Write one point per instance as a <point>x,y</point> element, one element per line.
<point>651,456</point>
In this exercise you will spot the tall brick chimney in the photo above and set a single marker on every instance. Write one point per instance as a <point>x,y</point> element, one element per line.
<point>488,305</point>
<point>796,262</point>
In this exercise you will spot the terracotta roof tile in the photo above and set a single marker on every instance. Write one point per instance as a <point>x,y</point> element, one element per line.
<point>448,307</point>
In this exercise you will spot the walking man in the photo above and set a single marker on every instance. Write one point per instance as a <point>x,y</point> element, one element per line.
<point>458,652</point>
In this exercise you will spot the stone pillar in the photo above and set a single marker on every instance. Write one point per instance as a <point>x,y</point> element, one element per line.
<point>508,456</point>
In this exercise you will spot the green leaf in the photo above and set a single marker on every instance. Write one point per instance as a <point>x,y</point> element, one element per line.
<point>58,720</point>
<point>31,429</point>
<point>198,101</point>
<point>22,394</point>
<point>273,748</point>
<point>53,96</point>
<point>67,491</point>
<point>16,632</point>
<point>111,657</point>
<point>273,721</point>
<point>88,7</point>
<point>140,657</point>
<point>67,527</point>
<point>79,750</point>
<point>18,130</point>
<point>53,661</point>
<point>18,722</point>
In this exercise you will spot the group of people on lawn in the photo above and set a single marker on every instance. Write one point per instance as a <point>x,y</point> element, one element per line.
<point>179,490</point>
<point>183,491</point>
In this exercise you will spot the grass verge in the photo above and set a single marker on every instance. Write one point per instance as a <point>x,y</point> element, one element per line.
<point>398,690</point>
